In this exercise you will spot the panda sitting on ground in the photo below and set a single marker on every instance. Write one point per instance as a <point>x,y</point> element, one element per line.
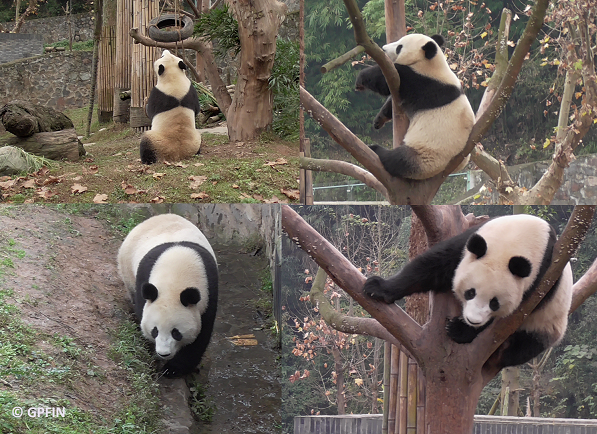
<point>172,106</point>
<point>170,272</point>
<point>491,269</point>
<point>440,115</point>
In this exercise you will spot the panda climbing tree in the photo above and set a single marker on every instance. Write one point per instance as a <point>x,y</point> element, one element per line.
<point>482,316</point>
<point>430,149</point>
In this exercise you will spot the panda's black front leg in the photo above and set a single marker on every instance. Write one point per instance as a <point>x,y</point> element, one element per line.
<point>384,115</point>
<point>521,347</point>
<point>462,333</point>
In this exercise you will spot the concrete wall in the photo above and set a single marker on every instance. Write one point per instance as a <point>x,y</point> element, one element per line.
<point>371,424</point>
<point>55,29</point>
<point>57,80</point>
<point>14,46</point>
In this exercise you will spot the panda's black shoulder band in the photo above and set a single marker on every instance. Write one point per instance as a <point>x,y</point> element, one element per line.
<point>158,102</point>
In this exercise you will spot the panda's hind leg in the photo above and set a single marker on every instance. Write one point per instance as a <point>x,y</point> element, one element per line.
<point>147,151</point>
<point>401,161</point>
<point>521,347</point>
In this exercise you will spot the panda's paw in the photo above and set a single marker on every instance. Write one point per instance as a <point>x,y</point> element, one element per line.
<point>375,288</point>
<point>380,121</point>
<point>460,332</point>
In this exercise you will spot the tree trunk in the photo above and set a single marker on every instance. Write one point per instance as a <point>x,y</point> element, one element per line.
<point>511,383</point>
<point>339,366</point>
<point>55,145</point>
<point>251,111</point>
<point>96,40</point>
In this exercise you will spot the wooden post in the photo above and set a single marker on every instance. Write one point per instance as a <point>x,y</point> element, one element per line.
<point>142,75</point>
<point>122,60</point>
<point>105,72</point>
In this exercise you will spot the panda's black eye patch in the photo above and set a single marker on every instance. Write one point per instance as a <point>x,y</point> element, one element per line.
<point>176,334</point>
<point>469,294</point>
<point>161,69</point>
<point>494,304</point>
<point>154,332</point>
<point>398,49</point>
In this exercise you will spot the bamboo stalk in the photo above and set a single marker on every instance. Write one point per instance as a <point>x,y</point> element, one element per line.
<point>403,399</point>
<point>394,374</point>
<point>411,411</point>
<point>122,62</point>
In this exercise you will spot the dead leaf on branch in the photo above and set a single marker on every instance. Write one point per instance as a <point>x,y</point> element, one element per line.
<point>78,189</point>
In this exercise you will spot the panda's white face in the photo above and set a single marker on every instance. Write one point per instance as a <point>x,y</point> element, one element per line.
<point>170,332</point>
<point>175,297</point>
<point>500,262</point>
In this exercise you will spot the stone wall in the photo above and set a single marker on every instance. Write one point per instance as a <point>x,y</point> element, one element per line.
<point>14,46</point>
<point>55,29</point>
<point>58,80</point>
<point>371,424</point>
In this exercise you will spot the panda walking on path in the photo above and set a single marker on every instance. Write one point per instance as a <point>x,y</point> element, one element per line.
<point>170,271</point>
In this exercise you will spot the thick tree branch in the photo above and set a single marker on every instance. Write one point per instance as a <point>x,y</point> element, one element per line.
<point>341,322</point>
<point>445,221</point>
<point>345,168</point>
<point>585,287</point>
<point>392,317</point>
<point>341,60</point>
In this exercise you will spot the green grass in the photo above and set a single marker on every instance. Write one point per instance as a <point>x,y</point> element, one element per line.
<point>34,363</point>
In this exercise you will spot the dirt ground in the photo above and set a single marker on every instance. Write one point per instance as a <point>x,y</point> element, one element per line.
<point>67,284</point>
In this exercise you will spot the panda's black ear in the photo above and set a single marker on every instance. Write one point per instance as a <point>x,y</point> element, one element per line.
<point>190,296</point>
<point>520,266</point>
<point>476,245</point>
<point>149,292</point>
<point>430,50</point>
<point>161,69</point>
<point>439,40</point>
<point>182,65</point>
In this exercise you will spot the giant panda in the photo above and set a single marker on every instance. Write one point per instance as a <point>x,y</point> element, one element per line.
<point>172,106</point>
<point>491,269</point>
<point>170,272</point>
<point>440,115</point>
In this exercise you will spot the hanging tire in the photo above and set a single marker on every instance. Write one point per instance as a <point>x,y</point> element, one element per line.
<point>170,20</point>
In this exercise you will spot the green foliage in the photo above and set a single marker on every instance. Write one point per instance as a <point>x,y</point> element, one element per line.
<point>77,46</point>
<point>284,82</point>
<point>202,407</point>
<point>219,26</point>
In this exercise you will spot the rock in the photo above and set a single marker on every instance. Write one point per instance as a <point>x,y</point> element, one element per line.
<point>12,161</point>
<point>175,397</point>
<point>24,119</point>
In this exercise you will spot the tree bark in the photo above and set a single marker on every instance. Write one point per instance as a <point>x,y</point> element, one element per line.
<point>55,145</point>
<point>251,111</point>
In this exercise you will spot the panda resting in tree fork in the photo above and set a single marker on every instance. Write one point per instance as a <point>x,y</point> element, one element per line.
<point>491,269</point>
<point>172,106</point>
<point>170,272</point>
<point>440,115</point>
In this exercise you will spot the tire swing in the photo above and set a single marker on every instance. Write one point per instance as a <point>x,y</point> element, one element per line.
<point>184,31</point>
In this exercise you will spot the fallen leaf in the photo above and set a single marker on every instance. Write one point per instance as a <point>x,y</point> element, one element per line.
<point>8,184</point>
<point>76,178</point>
<point>235,186</point>
<point>179,164</point>
<point>202,195</point>
<point>158,199</point>
<point>244,196</point>
<point>78,188</point>
<point>214,183</point>
<point>291,194</point>
<point>279,161</point>
<point>258,197</point>
<point>196,181</point>
<point>100,198</point>
<point>88,160</point>
<point>93,169</point>
<point>45,193</point>
<point>198,164</point>
<point>158,175</point>
<point>30,183</point>
<point>52,180</point>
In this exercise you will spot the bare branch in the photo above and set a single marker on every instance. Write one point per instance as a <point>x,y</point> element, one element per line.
<point>390,316</point>
<point>585,287</point>
<point>341,322</point>
<point>341,60</point>
<point>344,168</point>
